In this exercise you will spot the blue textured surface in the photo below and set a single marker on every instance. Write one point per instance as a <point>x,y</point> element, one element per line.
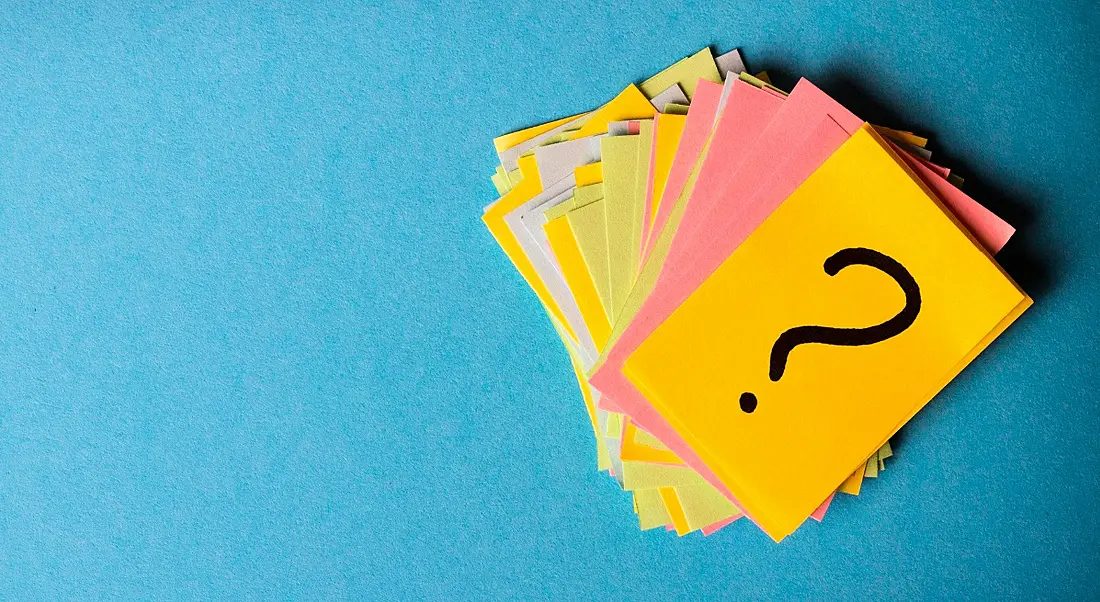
<point>256,343</point>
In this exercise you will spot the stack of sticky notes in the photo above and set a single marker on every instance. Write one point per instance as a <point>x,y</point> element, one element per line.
<point>757,289</point>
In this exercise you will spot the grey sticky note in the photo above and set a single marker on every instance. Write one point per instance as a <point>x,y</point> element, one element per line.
<point>509,157</point>
<point>730,62</point>
<point>618,128</point>
<point>673,94</point>
<point>556,161</point>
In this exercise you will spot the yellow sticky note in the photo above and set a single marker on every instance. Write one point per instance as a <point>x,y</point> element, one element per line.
<point>644,438</point>
<point>686,72</point>
<point>640,446</point>
<point>860,244</point>
<point>647,277</point>
<point>560,209</point>
<point>675,510</point>
<point>666,137</point>
<point>908,137</point>
<point>587,175</point>
<point>603,457</point>
<point>500,181</point>
<point>525,190</point>
<point>583,195</point>
<point>629,104</point>
<point>852,484</point>
<point>507,141</point>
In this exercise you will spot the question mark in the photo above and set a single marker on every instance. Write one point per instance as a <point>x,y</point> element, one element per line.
<point>848,337</point>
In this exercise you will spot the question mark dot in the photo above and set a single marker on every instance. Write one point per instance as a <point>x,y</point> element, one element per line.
<point>748,403</point>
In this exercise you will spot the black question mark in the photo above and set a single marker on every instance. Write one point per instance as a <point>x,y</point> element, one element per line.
<point>848,337</point>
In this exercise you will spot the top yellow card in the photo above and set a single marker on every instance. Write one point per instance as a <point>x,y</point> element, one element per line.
<point>827,329</point>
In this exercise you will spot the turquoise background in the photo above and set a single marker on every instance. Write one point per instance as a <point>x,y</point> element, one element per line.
<point>255,342</point>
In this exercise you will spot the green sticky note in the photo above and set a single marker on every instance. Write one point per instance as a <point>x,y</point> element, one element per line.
<point>560,209</point>
<point>872,466</point>
<point>614,426</point>
<point>620,177</point>
<point>500,181</point>
<point>673,108</point>
<point>590,231</point>
<point>651,510</point>
<point>641,181</point>
<point>603,457</point>
<point>704,505</point>
<point>584,195</point>
<point>646,475</point>
<point>687,73</point>
<point>644,438</point>
<point>626,168</point>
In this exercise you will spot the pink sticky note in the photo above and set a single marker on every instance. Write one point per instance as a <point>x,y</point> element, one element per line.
<point>823,508</point>
<point>941,171</point>
<point>800,113</point>
<point>700,118</point>
<point>990,231</point>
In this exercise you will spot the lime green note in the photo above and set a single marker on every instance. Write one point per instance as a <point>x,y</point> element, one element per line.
<point>590,231</point>
<point>651,510</point>
<point>626,167</point>
<point>620,174</point>
<point>687,73</point>
<point>703,505</point>
<point>646,475</point>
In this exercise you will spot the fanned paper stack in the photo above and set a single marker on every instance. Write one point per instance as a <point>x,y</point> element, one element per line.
<point>757,289</point>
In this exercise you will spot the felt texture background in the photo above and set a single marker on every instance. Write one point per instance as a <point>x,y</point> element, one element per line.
<point>255,342</point>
